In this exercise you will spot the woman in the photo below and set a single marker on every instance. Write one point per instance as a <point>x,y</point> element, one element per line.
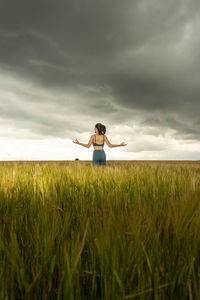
<point>99,156</point>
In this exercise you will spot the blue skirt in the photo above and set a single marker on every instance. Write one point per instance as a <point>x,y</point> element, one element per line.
<point>99,158</point>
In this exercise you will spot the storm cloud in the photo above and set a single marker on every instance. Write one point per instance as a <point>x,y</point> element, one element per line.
<point>65,65</point>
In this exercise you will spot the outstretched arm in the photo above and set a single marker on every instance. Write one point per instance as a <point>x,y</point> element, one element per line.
<point>84,145</point>
<point>112,145</point>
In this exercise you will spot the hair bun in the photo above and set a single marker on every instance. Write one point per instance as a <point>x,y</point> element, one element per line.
<point>101,128</point>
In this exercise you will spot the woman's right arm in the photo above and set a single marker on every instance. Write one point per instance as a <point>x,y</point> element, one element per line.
<point>112,145</point>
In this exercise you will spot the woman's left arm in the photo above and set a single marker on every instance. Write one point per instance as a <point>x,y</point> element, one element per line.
<point>84,145</point>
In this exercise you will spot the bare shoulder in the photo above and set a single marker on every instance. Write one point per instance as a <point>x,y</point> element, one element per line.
<point>107,141</point>
<point>105,137</point>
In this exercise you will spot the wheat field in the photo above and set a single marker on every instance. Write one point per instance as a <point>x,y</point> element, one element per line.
<point>69,230</point>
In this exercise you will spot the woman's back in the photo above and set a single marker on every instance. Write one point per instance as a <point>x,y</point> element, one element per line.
<point>98,142</point>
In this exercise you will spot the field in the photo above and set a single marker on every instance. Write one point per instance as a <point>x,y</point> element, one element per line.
<point>69,230</point>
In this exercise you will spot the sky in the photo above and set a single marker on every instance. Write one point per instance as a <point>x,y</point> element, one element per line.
<point>132,65</point>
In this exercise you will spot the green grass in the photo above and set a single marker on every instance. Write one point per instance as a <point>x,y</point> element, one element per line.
<point>127,231</point>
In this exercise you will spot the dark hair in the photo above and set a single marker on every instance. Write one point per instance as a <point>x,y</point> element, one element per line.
<point>101,128</point>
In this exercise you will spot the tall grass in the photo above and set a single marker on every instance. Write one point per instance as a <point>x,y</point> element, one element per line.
<point>73,231</point>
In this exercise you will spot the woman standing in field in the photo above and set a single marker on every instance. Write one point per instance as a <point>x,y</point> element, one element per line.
<point>99,156</point>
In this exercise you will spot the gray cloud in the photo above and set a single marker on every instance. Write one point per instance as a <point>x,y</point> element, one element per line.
<point>115,61</point>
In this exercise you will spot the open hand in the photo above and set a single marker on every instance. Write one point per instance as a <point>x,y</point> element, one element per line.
<point>76,141</point>
<point>123,144</point>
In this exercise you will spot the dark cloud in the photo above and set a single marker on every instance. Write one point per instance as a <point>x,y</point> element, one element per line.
<point>113,60</point>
